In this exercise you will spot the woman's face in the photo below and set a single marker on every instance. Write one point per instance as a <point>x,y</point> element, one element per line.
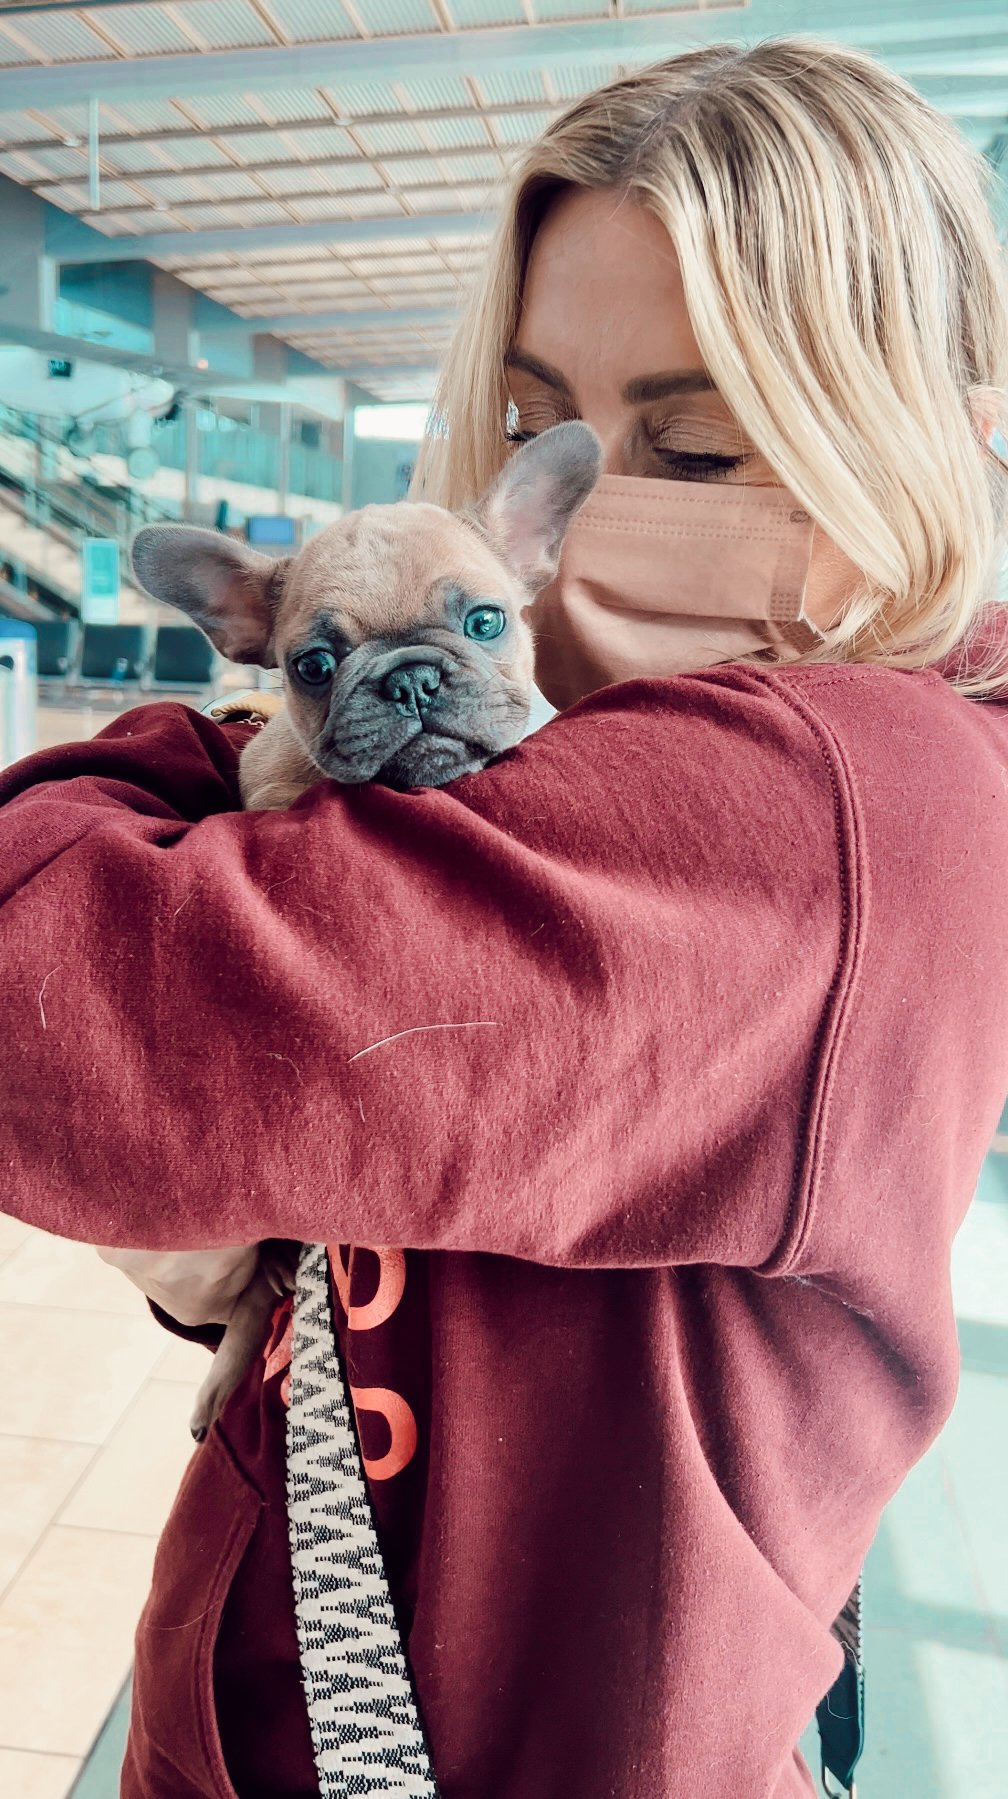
<point>605,337</point>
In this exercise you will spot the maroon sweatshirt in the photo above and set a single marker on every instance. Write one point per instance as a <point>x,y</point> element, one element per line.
<point>638,1085</point>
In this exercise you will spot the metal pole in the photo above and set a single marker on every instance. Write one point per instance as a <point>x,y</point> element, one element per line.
<point>94,142</point>
<point>348,438</point>
<point>191,490</point>
<point>283,459</point>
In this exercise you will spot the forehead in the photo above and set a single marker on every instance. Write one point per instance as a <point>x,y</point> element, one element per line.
<point>603,297</point>
<point>385,565</point>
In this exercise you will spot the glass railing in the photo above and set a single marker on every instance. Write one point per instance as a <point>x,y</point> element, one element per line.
<point>226,450</point>
<point>73,490</point>
<point>230,451</point>
<point>69,501</point>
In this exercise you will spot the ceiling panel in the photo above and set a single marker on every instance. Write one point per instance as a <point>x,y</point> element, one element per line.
<point>311,21</point>
<point>195,265</point>
<point>348,206</point>
<point>278,107</point>
<point>487,12</point>
<point>258,146</point>
<point>328,140</point>
<point>521,127</point>
<point>54,36</point>
<point>418,95</point>
<point>17,125</point>
<point>469,132</point>
<point>23,168</point>
<point>222,109</point>
<point>59,161</point>
<point>142,30</point>
<point>223,25</point>
<point>571,83</point>
<point>394,18</point>
<point>119,224</point>
<point>113,194</point>
<point>512,84</point>
<point>361,96</point>
<point>300,178</point>
<point>12,53</point>
<point>134,115</point>
<point>194,151</point>
<point>547,11</point>
<point>376,139</point>
<point>319,269</point>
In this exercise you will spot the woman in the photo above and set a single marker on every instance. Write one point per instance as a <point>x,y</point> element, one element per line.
<point>665,1316</point>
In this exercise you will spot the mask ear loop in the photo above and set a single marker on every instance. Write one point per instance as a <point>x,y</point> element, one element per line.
<point>802,634</point>
<point>787,612</point>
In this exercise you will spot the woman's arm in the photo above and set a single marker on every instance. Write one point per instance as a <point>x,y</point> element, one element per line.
<point>569,1009</point>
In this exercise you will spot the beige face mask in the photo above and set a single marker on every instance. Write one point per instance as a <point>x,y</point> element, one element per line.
<point>664,577</point>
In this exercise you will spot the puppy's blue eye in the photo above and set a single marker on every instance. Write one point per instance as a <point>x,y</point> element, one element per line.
<point>316,667</point>
<point>483,623</point>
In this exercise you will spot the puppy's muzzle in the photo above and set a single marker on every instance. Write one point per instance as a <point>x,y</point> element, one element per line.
<point>418,715</point>
<point>411,688</point>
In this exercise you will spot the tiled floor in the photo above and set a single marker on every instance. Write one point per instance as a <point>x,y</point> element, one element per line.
<point>94,1405</point>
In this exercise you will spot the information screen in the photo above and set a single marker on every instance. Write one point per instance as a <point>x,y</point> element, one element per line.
<point>277,533</point>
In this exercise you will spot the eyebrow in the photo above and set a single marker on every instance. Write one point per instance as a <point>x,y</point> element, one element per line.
<point>658,387</point>
<point>644,388</point>
<point>326,624</point>
<point>520,359</point>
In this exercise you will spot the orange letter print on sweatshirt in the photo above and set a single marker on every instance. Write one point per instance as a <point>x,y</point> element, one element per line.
<point>390,1405</point>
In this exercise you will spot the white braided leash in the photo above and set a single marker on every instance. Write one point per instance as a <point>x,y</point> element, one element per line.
<point>366,1730</point>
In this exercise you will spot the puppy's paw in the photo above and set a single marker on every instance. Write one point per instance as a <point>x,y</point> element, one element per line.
<point>278,1260</point>
<point>246,1331</point>
<point>209,1403</point>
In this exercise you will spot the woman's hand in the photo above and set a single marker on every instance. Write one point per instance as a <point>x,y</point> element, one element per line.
<point>194,1286</point>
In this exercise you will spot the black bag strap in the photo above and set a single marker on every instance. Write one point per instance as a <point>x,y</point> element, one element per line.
<point>840,1715</point>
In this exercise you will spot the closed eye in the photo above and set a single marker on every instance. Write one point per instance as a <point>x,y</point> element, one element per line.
<point>686,466</point>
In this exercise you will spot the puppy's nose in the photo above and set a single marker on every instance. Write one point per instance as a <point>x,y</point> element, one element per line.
<point>412,686</point>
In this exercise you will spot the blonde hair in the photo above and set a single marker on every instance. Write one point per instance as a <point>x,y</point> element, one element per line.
<point>846,288</point>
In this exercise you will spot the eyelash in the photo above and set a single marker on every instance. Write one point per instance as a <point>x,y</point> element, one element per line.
<point>698,468</point>
<point>686,466</point>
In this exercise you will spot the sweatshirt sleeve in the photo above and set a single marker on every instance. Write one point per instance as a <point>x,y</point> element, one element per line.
<point>572,1009</point>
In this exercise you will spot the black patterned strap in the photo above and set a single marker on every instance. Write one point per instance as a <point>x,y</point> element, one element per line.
<point>366,1731</point>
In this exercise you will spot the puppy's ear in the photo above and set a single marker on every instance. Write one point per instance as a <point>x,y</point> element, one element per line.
<point>525,514</point>
<point>231,592</point>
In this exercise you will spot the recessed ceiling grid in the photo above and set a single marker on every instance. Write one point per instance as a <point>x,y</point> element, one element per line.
<point>247,160</point>
<point>161,183</point>
<point>353,129</point>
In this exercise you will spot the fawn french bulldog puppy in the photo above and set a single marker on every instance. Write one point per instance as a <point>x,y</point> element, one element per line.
<point>405,660</point>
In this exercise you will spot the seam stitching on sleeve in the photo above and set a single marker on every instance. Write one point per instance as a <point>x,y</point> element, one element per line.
<point>840,999</point>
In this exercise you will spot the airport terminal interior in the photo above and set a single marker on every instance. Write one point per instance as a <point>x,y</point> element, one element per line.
<point>234,239</point>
